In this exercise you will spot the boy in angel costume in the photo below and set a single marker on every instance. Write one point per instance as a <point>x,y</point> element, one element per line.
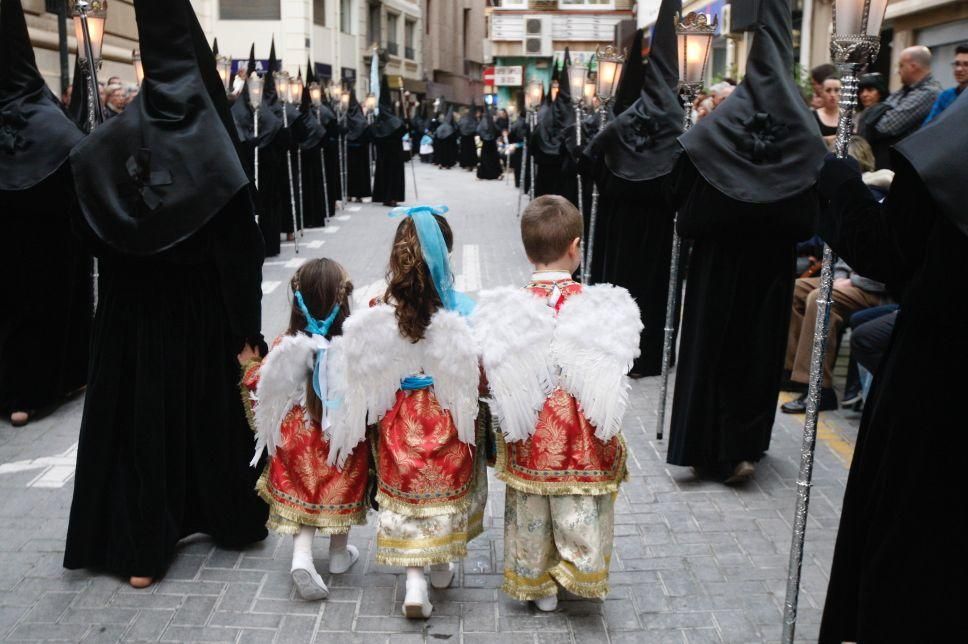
<point>288,396</point>
<point>556,355</point>
<point>412,374</point>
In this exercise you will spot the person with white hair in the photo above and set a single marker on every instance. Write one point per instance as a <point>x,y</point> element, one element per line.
<point>908,106</point>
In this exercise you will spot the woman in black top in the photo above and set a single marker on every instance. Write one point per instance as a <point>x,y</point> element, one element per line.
<point>828,114</point>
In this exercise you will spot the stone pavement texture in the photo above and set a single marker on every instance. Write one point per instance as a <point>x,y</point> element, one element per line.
<point>695,561</point>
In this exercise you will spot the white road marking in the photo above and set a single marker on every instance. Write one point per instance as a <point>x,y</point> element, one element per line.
<point>353,208</point>
<point>343,217</point>
<point>471,265</point>
<point>316,243</point>
<point>57,470</point>
<point>269,286</point>
<point>295,262</point>
<point>329,230</point>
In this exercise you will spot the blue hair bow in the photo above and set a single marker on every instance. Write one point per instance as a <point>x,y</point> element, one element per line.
<point>321,328</point>
<point>433,247</point>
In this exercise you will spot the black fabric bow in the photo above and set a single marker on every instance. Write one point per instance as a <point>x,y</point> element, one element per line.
<point>645,129</point>
<point>139,169</point>
<point>11,120</point>
<point>763,138</point>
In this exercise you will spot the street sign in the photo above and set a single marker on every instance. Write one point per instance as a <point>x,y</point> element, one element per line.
<point>489,75</point>
<point>241,63</point>
<point>509,76</point>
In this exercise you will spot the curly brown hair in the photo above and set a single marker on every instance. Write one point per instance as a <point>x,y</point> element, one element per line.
<point>323,283</point>
<point>410,288</point>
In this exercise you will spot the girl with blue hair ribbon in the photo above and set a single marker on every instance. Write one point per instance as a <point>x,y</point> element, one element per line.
<point>290,400</point>
<point>412,375</point>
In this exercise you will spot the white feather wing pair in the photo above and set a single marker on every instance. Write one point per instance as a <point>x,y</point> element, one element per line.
<point>373,358</point>
<point>587,350</point>
<point>282,384</point>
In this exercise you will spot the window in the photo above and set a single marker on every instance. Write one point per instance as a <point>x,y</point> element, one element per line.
<point>319,12</point>
<point>514,4</point>
<point>409,29</point>
<point>346,16</point>
<point>373,25</point>
<point>393,46</point>
<point>426,18</point>
<point>249,9</point>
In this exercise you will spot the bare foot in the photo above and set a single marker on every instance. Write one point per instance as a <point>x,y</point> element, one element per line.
<point>19,418</point>
<point>141,582</point>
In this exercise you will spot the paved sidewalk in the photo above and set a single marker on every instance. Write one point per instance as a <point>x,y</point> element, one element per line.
<point>695,561</point>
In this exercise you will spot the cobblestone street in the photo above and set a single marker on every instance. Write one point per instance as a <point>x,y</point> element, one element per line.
<point>695,561</point>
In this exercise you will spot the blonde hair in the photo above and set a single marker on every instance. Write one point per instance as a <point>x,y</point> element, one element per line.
<point>860,149</point>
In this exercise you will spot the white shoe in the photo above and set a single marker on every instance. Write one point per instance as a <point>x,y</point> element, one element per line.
<point>441,575</point>
<point>547,604</point>
<point>340,562</point>
<point>309,584</point>
<point>416,603</point>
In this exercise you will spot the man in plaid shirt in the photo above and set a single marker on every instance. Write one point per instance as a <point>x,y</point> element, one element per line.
<point>908,106</point>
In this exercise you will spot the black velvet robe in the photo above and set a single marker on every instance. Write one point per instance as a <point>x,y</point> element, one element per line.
<point>899,558</point>
<point>332,155</point>
<point>358,169</point>
<point>46,324</point>
<point>490,166</point>
<point>389,178</point>
<point>445,151</point>
<point>737,313</point>
<point>467,151</point>
<point>313,202</point>
<point>163,400</point>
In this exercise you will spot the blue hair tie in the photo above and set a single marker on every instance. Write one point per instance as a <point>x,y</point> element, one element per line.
<point>433,248</point>
<point>314,326</point>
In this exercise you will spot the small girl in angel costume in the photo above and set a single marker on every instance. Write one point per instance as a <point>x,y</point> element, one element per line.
<point>289,397</point>
<point>556,354</point>
<point>412,374</point>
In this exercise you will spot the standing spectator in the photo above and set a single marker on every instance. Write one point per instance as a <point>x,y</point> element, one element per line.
<point>818,75</point>
<point>828,114</point>
<point>908,106</point>
<point>114,101</point>
<point>872,92</point>
<point>947,97</point>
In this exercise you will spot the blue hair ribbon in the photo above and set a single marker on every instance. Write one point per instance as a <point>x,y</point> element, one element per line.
<point>316,327</point>
<point>433,247</point>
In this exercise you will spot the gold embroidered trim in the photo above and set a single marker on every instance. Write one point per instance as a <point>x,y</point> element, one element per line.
<point>423,510</point>
<point>335,509</point>
<point>247,395</point>
<point>282,516</point>
<point>525,589</point>
<point>590,585</point>
<point>280,525</point>
<point>420,560</point>
<point>475,525</point>
<point>558,488</point>
<point>394,543</point>
<point>421,552</point>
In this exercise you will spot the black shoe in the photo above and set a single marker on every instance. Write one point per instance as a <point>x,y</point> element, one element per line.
<point>828,402</point>
<point>789,385</point>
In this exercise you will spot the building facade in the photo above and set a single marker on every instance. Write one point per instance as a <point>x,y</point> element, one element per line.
<point>392,27</point>
<point>453,49</point>
<point>524,37</point>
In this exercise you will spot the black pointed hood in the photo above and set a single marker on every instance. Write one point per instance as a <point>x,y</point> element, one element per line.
<point>77,108</point>
<point>933,152</point>
<point>269,94</point>
<point>547,137</point>
<point>145,179</point>
<point>633,75</point>
<point>215,46</point>
<point>36,135</point>
<point>563,107</point>
<point>486,129</point>
<point>760,145</point>
<point>310,74</point>
<point>357,129</point>
<point>467,125</point>
<point>250,67</point>
<point>306,129</point>
<point>640,143</point>
<point>446,129</point>
<point>387,125</point>
<point>242,114</point>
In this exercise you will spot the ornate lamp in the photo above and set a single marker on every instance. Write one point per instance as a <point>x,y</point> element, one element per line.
<point>89,18</point>
<point>315,94</point>
<point>281,80</point>
<point>609,73</point>
<point>370,102</point>
<point>854,45</point>
<point>695,35</point>
<point>139,68</point>
<point>554,90</point>
<point>283,84</point>
<point>254,83</point>
<point>224,66</point>
<point>535,93</point>
<point>344,100</point>
<point>576,81</point>
<point>296,89</point>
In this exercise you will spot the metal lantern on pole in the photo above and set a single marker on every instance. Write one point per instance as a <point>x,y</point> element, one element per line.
<point>282,82</point>
<point>535,95</point>
<point>854,45</point>
<point>588,90</point>
<point>554,91</point>
<point>316,97</point>
<point>139,68</point>
<point>315,94</point>
<point>296,90</point>
<point>224,66</point>
<point>295,97</point>
<point>89,17</point>
<point>576,80</point>
<point>610,63</point>
<point>694,34</point>
<point>254,85</point>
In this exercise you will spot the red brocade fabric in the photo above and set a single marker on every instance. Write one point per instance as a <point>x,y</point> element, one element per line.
<point>299,485</point>
<point>423,469</point>
<point>563,456</point>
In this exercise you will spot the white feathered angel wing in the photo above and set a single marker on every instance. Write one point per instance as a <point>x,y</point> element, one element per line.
<point>450,357</point>
<point>514,330</point>
<point>596,340</point>
<point>282,383</point>
<point>373,358</point>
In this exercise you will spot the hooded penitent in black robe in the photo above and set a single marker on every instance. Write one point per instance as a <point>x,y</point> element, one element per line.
<point>631,159</point>
<point>284,147</point>
<point>490,165</point>
<point>895,574</point>
<point>445,141</point>
<point>272,197</point>
<point>745,195</point>
<point>47,296</point>
<point>309,134</point>
<point>164,445</point>
<point>389,178</point>
<point>467,145</point>
<point>546,144</point>
<point>517,135</point>
<point>332,143</point>
<point>358,139</point>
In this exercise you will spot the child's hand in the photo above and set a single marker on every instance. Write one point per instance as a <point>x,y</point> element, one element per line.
<point>248,354</point>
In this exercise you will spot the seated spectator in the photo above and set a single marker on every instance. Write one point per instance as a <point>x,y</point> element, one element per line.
<point>851,292</point>
<point>870,335</point>
<point>910,105</point>
<point>947,97</point>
